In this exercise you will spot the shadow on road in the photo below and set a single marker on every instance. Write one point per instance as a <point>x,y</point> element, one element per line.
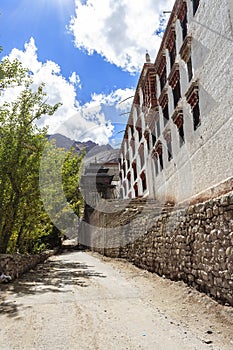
<point>51,276</point>
<point>9,308</point>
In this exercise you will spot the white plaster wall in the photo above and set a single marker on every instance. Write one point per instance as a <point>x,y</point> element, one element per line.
<point>205,160</point>
<point>206,157</point>
<point>158,85</point>
<point>134,115</point>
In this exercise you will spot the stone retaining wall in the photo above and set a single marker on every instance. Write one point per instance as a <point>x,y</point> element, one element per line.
<point>17,264</point>
<point>193,243</point>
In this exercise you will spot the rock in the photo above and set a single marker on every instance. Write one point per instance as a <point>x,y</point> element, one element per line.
<point>215,210</point>
<point>224,201</point>
<point>5,278</point>
<point>209,213</point>
<point>229,251</point>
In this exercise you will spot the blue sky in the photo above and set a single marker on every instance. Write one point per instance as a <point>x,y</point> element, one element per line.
<point>88,53</point>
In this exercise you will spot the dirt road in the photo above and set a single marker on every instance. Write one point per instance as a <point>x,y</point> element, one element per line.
<point>84,301</point>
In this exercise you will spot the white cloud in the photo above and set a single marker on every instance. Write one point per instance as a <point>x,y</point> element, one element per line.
<point>75,80</point>
<point>71,119</point>
<point>58,89</point>
<point>87,125</point>
<point>116,97</point>
<point>121,31</point>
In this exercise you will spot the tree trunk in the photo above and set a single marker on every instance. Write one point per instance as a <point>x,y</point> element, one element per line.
<point>4,239</point>
<point>8,226</point>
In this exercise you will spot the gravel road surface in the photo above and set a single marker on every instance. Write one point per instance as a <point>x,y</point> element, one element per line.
<point>81,300</point>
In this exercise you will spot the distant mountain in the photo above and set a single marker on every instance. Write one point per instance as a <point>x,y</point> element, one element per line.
<point>94,152</point>
<point>65,142</point>
<point>62,141</point>
<point>88,145</point>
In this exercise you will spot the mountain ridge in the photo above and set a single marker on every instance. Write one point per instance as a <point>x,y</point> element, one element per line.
<point>94,152</point>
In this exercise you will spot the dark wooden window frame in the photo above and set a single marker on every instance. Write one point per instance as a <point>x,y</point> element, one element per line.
<point>192,97</point>
<point>195,6</point>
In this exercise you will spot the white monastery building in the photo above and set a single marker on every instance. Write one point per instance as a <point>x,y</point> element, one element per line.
<point>178,140</point>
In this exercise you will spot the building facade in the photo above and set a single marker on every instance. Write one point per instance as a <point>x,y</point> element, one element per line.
<point>178,140</point>
<point>99,181</point>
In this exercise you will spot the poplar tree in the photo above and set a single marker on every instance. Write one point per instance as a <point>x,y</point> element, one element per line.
<point>23,220</point>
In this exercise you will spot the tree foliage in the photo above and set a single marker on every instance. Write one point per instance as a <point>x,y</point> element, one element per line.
<point>60,172</point>
<point>24,224</point>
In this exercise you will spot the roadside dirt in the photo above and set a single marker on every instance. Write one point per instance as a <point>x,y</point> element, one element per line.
<point>203,316</point>
<point>85,301</point>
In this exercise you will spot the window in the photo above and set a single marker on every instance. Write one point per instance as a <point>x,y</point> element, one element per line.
<point>196,116</point>
<point>184,26</point>
<point>177,118</point>
<point>141,154</point>
<point>168,139</point>
<point>147,138</point>
<point>195,6</point>
<point>153,90</point>
<point>156,167</point>
<point>182,16</point>
<point>158,128</point>
<point>132,144</point>
<point>172,54</point>
<point>192,97</point>
<point>141,159</point>
<point>176,93</point>
<point>124,170</point>
<point>152,132</point>
<point>135,175</point>
<point>185,50</point>
<point>190,68</point>
<point>124,189</point>
<point>161,161</point>
<point>139,133</point>
<point>165,114</point>
<point>181,134</point>
<point>148,142</point>
<point>143,178</point>
<point>129,180</point>
<point>153,138</point>
<point>136,190</point>
<point>169,150</point>
<point>163,78</point>
<point>157,155</point>
<point>132,130</point>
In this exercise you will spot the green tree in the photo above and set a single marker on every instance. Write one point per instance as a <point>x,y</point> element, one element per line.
<point>38,182</point>
<point>70,178</point>
<point>60,172</point>
<point>21,146</point>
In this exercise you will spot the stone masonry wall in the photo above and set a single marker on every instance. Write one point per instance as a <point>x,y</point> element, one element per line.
<point>192,243</point>
<point>16,265</point>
